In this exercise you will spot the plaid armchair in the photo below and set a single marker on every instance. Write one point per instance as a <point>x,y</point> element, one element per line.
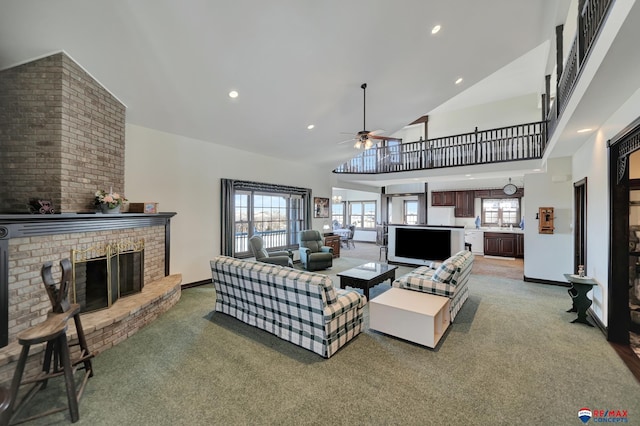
<point>447,279</point>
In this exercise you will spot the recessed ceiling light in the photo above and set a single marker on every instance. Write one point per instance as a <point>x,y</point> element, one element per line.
<point>467,175</point>
<point>435,29</point>
<point>584,130</point>
<point>310,126</point>
<point>233,94</point>
<point>536,170</point>
<point>459,80</point>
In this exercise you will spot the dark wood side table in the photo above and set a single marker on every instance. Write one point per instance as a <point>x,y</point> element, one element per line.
<point>580,286</point>
<point>333,241</point>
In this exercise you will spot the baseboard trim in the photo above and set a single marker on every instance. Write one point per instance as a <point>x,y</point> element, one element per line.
<point>196,284</point>
<point>597,322</point>
<point>542,281</point>
<point>489,256</point>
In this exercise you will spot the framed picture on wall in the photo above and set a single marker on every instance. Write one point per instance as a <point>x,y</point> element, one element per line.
<point>320,207</point>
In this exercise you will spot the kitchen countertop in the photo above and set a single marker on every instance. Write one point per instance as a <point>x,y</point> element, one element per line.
<point>503,230</point>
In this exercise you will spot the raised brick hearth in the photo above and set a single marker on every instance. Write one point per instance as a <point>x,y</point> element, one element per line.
<point>105,328</point>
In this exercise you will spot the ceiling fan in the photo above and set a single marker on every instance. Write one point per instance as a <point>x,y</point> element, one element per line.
<point>364,137</point>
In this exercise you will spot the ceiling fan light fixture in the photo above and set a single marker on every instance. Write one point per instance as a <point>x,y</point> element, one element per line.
<point>368,144</point>
<point>357,145</point>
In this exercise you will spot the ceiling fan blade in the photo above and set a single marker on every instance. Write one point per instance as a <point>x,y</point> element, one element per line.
<point>348,140</point>
<point>385,138</point>
<point>376,132</point>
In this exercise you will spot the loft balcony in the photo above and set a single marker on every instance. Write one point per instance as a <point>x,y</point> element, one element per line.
<point>520,142</point>
<point>513,143</point>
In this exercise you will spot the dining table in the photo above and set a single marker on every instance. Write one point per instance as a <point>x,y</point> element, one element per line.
<point>342,232</point>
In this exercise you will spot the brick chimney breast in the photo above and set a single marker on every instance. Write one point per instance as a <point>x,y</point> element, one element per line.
<point>62,136</point>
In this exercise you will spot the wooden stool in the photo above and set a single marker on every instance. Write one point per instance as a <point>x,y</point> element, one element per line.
<point>59,297</point>
<point>4,406</point>
<point>53,331</point>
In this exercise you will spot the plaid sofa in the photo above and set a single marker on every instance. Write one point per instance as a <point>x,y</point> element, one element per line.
<point>298,306</point>
<point>447,279</point>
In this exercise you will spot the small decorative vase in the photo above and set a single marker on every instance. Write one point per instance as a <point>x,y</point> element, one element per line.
<point>477,222</point>
<point>106,210</point>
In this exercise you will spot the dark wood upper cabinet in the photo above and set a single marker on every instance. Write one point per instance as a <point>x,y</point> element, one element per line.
<point>443,198</point>
<point>465,206</point>
<point>497,193</point>
<point>464,201</point>
<point>483,193</point>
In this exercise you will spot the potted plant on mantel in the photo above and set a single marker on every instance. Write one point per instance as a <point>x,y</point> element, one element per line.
<point>108,202</point>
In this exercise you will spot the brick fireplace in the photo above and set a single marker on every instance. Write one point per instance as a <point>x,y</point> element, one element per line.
<point>28,241</point>
<point>62,139</point>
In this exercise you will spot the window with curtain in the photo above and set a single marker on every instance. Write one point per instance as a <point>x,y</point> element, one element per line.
<point>500,211</point>
<point>277,213</point>
<point>362,214</point>
<point>410,212</point>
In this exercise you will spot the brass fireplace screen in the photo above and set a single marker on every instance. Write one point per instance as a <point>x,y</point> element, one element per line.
<point>102,273</point>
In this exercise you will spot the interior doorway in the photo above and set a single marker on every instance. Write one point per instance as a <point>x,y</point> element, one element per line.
<point>624,243</point>
<point>634,248</point>
<point>580,224</point>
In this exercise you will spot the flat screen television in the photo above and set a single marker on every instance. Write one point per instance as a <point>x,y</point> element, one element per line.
<point>426,244</point>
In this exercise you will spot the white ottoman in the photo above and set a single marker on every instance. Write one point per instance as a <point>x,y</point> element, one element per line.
<point>411,315</point>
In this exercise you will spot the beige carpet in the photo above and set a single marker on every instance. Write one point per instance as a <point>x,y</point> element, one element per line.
<point>492,266</point>
<point>511,357</point>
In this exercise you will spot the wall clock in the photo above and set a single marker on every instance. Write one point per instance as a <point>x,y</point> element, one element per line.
<point>509,189</point>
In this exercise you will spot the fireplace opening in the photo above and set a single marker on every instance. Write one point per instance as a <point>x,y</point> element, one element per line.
<point>104,273</point>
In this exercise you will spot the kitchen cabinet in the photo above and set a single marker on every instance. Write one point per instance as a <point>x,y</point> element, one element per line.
<point>500,244</point>
<point>465,206</point>
<point>443,199</point>
<point>519,245</point>
<point>497,193</point>
<point>483,193</point>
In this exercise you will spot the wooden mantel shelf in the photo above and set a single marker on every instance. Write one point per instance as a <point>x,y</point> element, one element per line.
<point>25,225</point>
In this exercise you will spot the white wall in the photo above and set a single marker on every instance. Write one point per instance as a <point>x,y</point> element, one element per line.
<point>183,175</point>
<point>549,256</point>
<point>523,109</point>
<point>591,162</point>
<point>410,133</point>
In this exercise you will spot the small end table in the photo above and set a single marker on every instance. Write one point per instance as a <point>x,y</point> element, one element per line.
<point>580,286</point>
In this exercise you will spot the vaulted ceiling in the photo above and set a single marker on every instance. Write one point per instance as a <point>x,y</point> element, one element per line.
<point>293,62</point>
